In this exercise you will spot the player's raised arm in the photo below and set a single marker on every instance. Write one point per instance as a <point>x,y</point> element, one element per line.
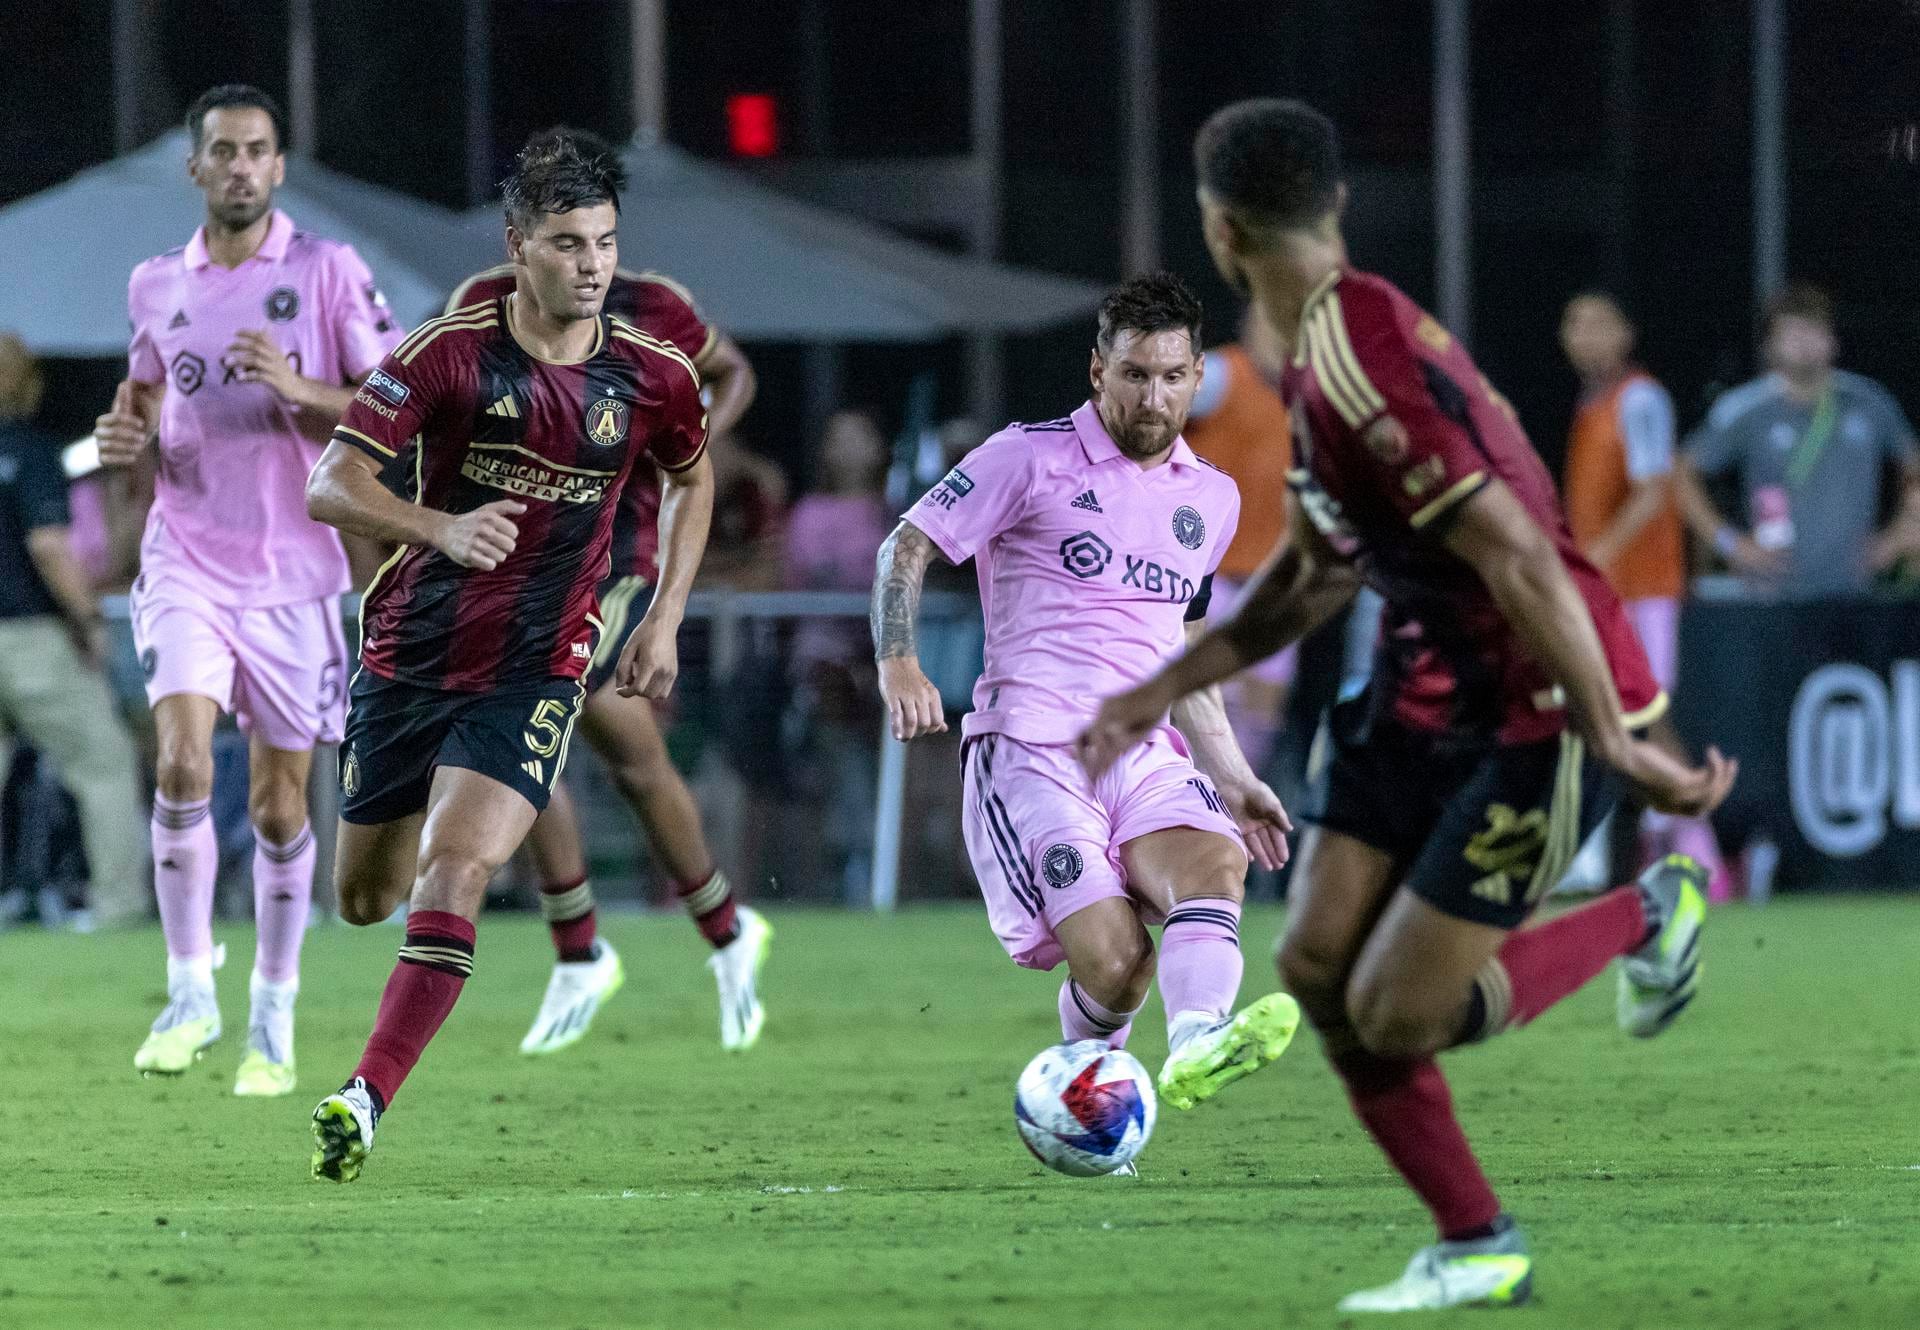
<point>344,490</point>
<point>913,703</point>
<point>1493,533</point>
<point>1303,584</point>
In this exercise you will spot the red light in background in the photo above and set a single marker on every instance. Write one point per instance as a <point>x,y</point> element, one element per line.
<point>753,124</point>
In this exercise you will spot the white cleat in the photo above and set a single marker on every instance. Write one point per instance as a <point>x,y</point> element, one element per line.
<point>1658,981</point>
<point>1484,1272</point>
<point>574,996</point>
<point>736,968</point>
<point>1126,1170</point>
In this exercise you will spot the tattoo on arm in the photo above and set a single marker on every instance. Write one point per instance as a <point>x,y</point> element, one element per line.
<point>902,566</point>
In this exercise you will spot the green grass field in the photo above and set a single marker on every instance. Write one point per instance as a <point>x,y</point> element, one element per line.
<point>1756,1167</point>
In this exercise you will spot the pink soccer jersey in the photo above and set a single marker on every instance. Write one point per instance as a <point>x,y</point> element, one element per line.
<point>229,513</point>
<point>1086,565</point>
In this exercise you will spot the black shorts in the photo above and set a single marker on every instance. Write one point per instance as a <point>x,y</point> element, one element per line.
<point>399,733</point>
<point>1479,830</point>
<point>623,603</point>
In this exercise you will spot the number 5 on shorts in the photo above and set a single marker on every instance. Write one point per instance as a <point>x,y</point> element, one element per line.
<point>547,728</point>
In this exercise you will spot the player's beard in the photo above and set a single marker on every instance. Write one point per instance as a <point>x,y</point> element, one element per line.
<point>1143,440</point>
<point>240,213</point>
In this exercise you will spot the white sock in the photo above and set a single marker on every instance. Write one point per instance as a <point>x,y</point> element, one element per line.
<point>270,1027</point>
<point>189,973</point>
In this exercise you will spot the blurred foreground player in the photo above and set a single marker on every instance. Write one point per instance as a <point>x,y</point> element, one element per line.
<point>524,418</point>
<point>623,730</point>
<point>1504,704</point>
<point>1096,538</point>
<point>246,345</point>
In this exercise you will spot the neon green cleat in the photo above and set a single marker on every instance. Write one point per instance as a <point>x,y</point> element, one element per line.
<point>261,1076</point>
<point>574,996</point>
<point>177,1041</point>
<point>343,1127</point>
<point>1658,981</point>
<point>1485,1272</point>
<point>1213,1059</point>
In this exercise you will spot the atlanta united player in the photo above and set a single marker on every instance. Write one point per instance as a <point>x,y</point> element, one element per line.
<point>1095,538</point>
<point>622,730</point>
<point>247,344</point>
<point>1509,699</point>
<point>478,632</point>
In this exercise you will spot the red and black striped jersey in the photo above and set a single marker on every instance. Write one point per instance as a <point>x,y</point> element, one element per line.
<point>482,419</point>
<point>1394,428</point>
<point>661,307</point>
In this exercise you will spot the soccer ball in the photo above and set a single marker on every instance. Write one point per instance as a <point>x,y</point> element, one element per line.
<point>1083,1108</point>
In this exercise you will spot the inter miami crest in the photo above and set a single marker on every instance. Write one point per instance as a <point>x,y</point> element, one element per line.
<point>1189,528</point>
<point>283,302</point>
<point>1061,865</point>
<point>607,421</point>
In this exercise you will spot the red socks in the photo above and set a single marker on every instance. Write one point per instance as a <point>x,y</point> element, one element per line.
<point>568,910</point>
<point>434,964</point>
<point>1536,967</point>
<point>711,904</point>
<point>1407,1107</point>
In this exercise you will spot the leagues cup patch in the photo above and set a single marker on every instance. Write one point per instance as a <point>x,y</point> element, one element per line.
<point>1061,865</point>
<point>283,302</point>
<point>607,421</point>
<point>959,482</point>
<point>1189,528</point>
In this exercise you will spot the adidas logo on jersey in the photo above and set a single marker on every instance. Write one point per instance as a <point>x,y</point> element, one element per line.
<point>535,769</point>
<point>179,320</point>
<point>1087,503</point>
<point>507,407</point>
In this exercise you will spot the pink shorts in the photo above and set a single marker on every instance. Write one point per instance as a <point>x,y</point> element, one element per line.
<point>280,670</point>
<point>1277,669</point>
<point>1045,844</point>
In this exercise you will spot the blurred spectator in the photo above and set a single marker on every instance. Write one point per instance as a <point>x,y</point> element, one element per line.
<point>749,514</point>
<point>52,644</point>
<point>1619,474</point>
<point>1808,445</point>
<point>832,538</point>
<point>1619,500</point>
<point>834,532</point>
<point>1240,424</point>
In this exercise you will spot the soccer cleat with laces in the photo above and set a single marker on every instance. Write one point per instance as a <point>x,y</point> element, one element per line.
<point>574,996</point>
<point>190,1022</point>
<point>1211,1060</point>
<point>343,1131</point>
<point>736,968</point>
<point>1494,1271</point>
<point>1658,981</point>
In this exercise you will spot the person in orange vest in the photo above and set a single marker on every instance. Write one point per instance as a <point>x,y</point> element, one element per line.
<point>1239,424</point>
<point>1620,505</point>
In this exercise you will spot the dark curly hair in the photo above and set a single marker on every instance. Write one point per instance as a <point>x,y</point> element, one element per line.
<point>1155,302</point>
<point>555,174</point>
<point>1273,161</point>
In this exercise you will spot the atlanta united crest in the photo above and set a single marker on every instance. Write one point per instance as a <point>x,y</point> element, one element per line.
<point>607,421</point>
